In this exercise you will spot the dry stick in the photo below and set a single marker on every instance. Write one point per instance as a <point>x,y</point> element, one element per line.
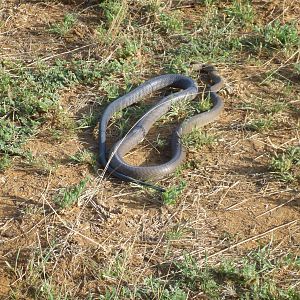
<point>253,238</point>
<point>274,208</point>
<point>62,53</point>
<point>228,189</point>
<point>237,204</point>
<point>70,228</point>
<point>281,66</point>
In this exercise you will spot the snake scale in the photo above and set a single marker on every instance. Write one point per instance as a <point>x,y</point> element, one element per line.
<point>113,161</point>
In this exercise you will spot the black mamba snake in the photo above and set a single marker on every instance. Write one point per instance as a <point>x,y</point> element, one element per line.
<point>115,163</point>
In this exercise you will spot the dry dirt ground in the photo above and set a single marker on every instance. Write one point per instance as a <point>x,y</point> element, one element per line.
<point>232,203</point>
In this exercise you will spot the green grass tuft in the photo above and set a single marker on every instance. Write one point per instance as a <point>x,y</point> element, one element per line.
<point>69,196</point>
<point>285,164</point>
<point>170,196</point>
<point>62,28</point>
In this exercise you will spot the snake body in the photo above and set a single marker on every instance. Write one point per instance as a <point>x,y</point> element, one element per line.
<point>114,162</point>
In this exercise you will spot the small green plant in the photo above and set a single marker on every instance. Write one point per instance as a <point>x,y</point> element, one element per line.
<point>159,289</point>
<point>203,105</point>
<point>87,120</point>
<point>112,9</point>
<point>171,22</point>
<point>84,157</point>
<point>284,164</point>
<point>5,162</point>
<point>115,269</point>
<point>175,234</point>
<point>111,89</point>
<point>40,164</point>
<point>276,35</point>
<point>160,142</point>
<point>197,139</point>
<point>62,28</point>
<point>170,196</point>
<point>178,110</point>
<point>209,2</point>
<point>260,125</point>
<point>69,196</point>
<point>241,12</point>
<point>130,47</point>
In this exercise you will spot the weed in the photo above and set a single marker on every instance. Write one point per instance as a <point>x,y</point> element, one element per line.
<point>158,289</point>
<point>40,284</point>
<point>68,196</point>
<point>241,12</point>
<point>115,16</point>
<point>281,35</point>
<point>130,47</point>
<point>210,2</point>
<point>175,234</point>
<point>215,41</point>
<point>250,278</point>
<point>25,97</point>
<point>170,195</point>
<point>29,96</point>
<point>112,10</point>
<point>160,142</point>
<point>275,36</point>
<point>5,162</point>
<point>125,118</point>
<point>40,164</point>
<point>171,22</point>
<point>64,122</point>
<point>284,164</point>
<point>115,269</point>
<point>154,6</point>
<point>112,90</point>
<point>87,120</point>
<point>197,139</point>
<point>178,110</point>
<point>204,105</point>
<point>84,157</point>
<point>260,125</point>
<point>62,28</point>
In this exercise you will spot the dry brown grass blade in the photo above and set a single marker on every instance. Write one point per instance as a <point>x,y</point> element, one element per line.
<point>250,239</point>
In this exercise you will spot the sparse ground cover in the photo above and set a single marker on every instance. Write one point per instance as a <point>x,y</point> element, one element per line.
<point>228,225</point>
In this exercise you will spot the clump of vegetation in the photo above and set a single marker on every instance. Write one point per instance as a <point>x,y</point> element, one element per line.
<point>114,11</point>
<point>274,35</point>
<point>170,196</point>
<point>280,35</point>
<point>5,162</point>
<point>29,96</point>
<point>84,157</point>
<point>26,96</point>
<point>62,28</point>
<point>285,164</point>
<point>253,277</point>
<point>241,12</point>
<point>260,124</point>
<point>197,139</point>
<point>171,22</point>
<point>68,196</point>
